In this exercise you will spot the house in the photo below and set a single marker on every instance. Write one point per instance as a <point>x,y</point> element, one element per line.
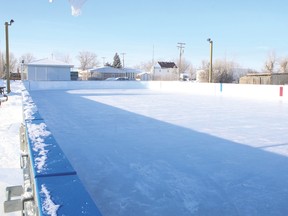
<point>103,73</point>
<point>144,76</point>
<point>47,70</point>
<point>265,78</point>
<point>165,71</point>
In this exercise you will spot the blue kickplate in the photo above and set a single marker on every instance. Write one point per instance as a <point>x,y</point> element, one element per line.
<point>64,195</point>
<point>47,157</point>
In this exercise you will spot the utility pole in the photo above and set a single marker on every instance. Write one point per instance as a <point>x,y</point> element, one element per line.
<point>103,60</point>
<point>123,54</point>
<point>153,57</point>
<point>7,55</point>
<point>181,47</point>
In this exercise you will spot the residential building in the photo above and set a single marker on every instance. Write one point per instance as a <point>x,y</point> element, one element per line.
<point>165,71</point>
<point>265,78</point>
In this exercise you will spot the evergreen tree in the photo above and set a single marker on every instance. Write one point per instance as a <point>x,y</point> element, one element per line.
<point>116,61</point>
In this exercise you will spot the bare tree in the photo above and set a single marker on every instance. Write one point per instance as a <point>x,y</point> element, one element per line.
<point>270,63</point>
<point>27,58</point>
<point>202,74</point>
<point>87,60</point>
<point>223,71</point>
<point>62,57</point>
<point>146,66</point>
<point>185,65</point>
<point>2,65</point>
<point>283,65</point>
<point>12,64</point>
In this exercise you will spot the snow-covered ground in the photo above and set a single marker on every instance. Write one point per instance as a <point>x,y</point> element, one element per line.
<point>10,121</point>
<point>146,152</point>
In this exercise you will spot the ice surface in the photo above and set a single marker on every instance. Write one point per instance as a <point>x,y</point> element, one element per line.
<point>143,152</point>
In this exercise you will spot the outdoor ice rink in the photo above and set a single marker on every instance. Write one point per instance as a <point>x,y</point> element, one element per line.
<point>146,152</point>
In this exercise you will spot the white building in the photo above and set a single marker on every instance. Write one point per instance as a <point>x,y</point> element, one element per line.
<point>105,72</point>
<point>165,71</point>
<point>47,69</point>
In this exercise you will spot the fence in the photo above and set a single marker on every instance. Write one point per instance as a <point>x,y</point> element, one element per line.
<point>219,89</point>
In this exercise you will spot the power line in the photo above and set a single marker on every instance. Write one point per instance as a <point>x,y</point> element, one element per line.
<point>181,47</point>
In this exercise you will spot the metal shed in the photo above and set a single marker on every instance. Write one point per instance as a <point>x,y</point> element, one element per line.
<point>47,70</point>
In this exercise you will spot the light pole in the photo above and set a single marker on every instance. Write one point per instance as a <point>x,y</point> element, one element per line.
<point>22,70</point>
<point>211,55</point>
<point>7,55</point>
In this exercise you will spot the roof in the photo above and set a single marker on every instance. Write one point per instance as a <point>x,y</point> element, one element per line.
<point>108,69</point>
<point>132,70</point>
<point>49,62</point>
<point>167,64</point>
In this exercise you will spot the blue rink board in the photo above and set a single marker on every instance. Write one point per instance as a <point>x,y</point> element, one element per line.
<point>57,175</point>
<point>29,107</point>
<point>67,192</point>
<point>56,163</point>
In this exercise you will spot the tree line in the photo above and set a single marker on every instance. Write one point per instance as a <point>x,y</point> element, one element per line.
<point>224,71</point>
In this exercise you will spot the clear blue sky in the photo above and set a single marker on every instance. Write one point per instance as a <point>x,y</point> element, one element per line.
<point>243,31</point>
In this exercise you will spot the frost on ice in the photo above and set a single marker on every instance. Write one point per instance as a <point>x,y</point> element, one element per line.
<point>48,206</point>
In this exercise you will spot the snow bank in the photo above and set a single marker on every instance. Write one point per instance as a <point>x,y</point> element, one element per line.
<point>10,121</point>
<point>29,108</point>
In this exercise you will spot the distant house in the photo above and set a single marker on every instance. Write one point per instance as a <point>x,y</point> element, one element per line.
<point>144,76</point>
<point>265,78</point>
<point>165,71</point>
<point>47,70</point>
<point>106,72</point>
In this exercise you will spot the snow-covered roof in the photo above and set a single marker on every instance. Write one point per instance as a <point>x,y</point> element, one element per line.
<point>49,62</point>
<point>108,69</point>
<point>132,70</point>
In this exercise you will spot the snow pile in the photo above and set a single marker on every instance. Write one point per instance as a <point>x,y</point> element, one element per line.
<point>37,134</point>
<point>29,108</point>
<point>48,207</point>
<point>10,121</point>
